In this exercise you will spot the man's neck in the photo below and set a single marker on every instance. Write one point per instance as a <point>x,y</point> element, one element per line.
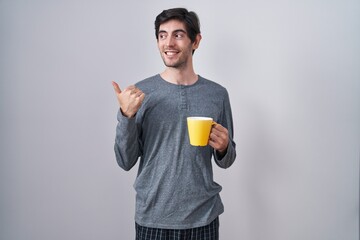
<point>179,77</point>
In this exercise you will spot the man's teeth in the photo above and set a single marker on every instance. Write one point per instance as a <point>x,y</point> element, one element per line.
<point>170,53</point>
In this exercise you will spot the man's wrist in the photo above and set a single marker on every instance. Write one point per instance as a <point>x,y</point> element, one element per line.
<point>125,114</point>
<point>220,154</point>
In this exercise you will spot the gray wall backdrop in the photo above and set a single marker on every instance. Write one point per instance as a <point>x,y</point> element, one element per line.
<point>292,69</point>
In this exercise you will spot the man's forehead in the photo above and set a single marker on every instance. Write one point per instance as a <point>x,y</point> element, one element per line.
<point>172,25</point>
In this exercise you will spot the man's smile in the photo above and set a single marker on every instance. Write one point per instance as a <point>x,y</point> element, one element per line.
<point>171,52</point>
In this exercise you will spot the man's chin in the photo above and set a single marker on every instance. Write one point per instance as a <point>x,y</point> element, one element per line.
<point>173,64</point>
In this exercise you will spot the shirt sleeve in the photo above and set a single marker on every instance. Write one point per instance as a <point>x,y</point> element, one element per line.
<point>127,145</point>
<point>228,159</point>
<point>226,120</point>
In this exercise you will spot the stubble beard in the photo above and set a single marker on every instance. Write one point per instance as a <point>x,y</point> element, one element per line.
<point>180,63</point>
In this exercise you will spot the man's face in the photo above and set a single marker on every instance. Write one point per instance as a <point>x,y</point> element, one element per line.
<point>174,44</point>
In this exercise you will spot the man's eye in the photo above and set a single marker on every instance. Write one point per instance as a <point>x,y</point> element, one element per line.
<point>179,35</point>
<point>162,36</point>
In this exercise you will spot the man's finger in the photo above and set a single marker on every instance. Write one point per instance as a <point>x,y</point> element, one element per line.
<point>116,87</point>
<point>217,128</point>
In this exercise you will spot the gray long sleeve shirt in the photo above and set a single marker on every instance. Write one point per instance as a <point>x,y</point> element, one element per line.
<point>174,185</point>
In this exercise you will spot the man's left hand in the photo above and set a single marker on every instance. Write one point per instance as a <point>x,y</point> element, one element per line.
<point>219,138</point>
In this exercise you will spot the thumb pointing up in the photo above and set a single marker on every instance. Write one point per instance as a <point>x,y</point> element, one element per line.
<point>116,87</point>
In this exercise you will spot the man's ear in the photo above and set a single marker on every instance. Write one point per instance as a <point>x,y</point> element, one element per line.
<point>197,41</point>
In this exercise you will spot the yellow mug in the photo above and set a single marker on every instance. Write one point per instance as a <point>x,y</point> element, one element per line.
<point>199,129</point>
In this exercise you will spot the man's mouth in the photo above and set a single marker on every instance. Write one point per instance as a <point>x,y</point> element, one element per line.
<point>171,52</point>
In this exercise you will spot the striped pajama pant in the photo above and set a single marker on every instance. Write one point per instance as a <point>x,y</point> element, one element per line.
<point>208,232</point>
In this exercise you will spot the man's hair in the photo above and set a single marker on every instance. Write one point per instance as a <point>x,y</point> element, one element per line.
<point>190,19</point>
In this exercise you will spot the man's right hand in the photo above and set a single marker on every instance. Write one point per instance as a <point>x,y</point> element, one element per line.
<point>130,99</point>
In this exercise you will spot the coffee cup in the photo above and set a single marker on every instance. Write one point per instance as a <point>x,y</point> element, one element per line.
<point>199,129</point>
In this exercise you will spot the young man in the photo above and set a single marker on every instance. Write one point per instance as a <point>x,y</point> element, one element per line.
<point>176,196</point>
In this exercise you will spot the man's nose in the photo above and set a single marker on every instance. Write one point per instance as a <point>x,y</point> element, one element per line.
<point>170,41</point>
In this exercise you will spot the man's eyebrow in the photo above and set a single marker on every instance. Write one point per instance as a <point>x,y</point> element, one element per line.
<point>180,30</point>
<point>175,31</point>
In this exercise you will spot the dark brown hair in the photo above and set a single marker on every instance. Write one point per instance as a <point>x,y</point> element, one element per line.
<point>190,19</point>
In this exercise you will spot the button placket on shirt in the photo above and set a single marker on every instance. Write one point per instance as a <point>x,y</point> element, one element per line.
<point>183,98</point>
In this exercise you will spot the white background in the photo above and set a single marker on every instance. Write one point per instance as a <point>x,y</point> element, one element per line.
<point>292,69</point>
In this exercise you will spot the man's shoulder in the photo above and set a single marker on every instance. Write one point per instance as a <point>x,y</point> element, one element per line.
<point>148,81</point>
<point>149,84</point>
<point>211,84</point>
